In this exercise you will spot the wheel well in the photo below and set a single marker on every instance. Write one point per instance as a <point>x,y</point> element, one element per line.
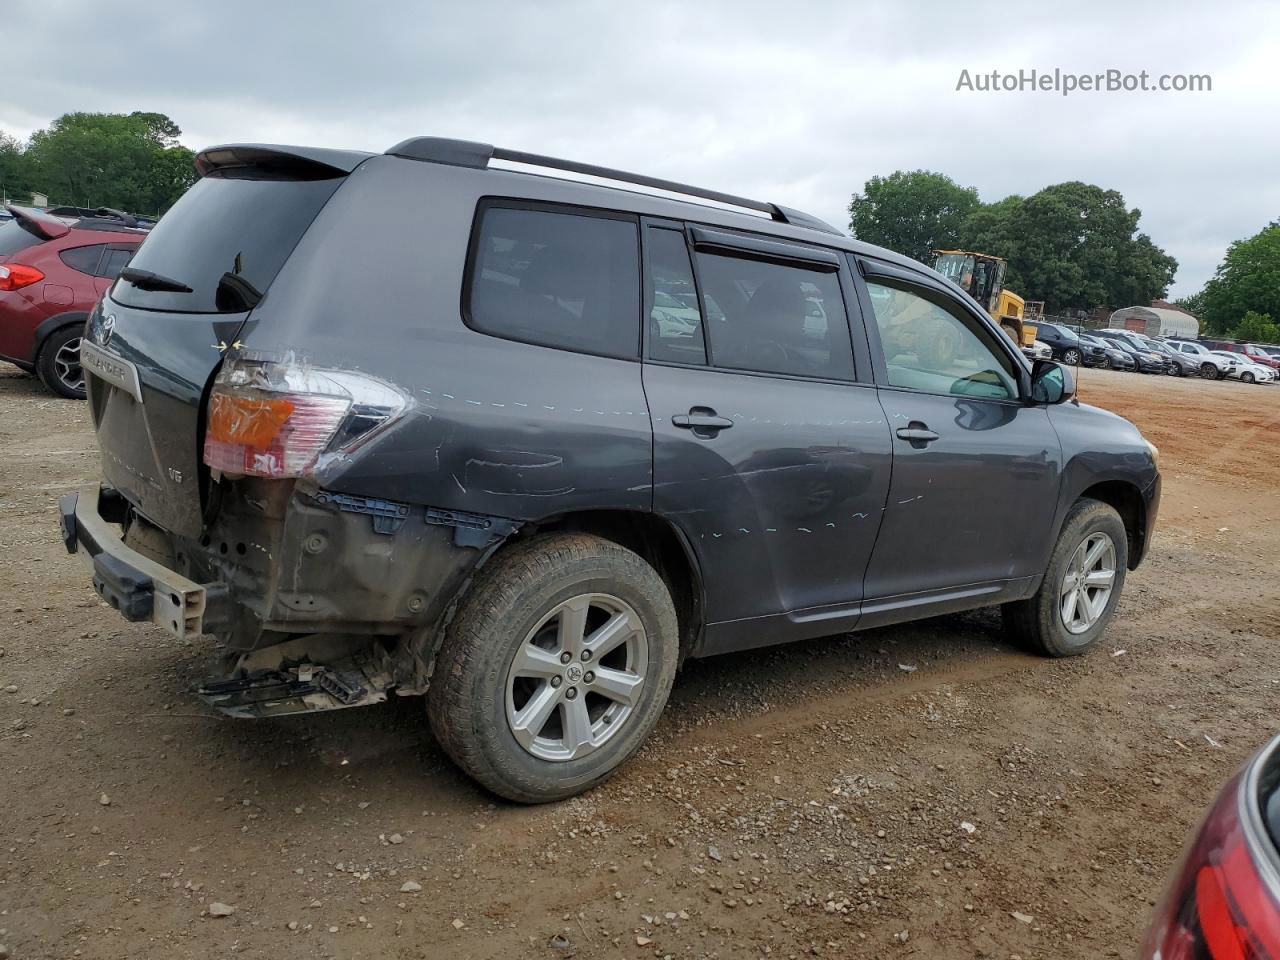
<point>1126,499</point>
<point>662,547</point>
<point>50,326</point>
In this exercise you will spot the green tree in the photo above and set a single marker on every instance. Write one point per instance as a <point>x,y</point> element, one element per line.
<point>912,212</point>
<point>1257,327</point>
<point>1072,245</point>
<point>131,161</point>
<point>1193,304</point>
<point>15,177</point>
<point>1248,279</point>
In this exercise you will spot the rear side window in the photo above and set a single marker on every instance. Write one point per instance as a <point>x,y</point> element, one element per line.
<point>83,259</point>
<point>675,320</point>
<point>14,238</point>
<point>116,260</point>
<point>556,278</point>
<point>774,318</point>
<point>225,239</point>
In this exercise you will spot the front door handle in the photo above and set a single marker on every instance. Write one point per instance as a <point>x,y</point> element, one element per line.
<point>703,421</point>
<point>917,433</point>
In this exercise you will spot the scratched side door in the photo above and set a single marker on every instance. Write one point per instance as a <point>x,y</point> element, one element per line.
<point>770,454</point>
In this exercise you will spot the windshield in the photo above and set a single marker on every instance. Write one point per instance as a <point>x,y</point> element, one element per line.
<point>956,267</point>
<point>222,244</point>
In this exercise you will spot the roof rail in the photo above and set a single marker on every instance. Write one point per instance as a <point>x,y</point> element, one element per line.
<point>467,153</point>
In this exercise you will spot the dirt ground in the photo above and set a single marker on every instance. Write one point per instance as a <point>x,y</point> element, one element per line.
<point>811,800</point>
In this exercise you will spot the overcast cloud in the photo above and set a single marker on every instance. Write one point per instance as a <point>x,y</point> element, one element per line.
<point>798,103</point>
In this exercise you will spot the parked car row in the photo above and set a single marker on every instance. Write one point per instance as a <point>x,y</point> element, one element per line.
<point>53,268</point>
<point>1132,351</point>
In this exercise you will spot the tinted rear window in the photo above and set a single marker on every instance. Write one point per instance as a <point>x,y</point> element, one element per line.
<point>226,239</point>
<point>84,259</point>
<point>558,279</point>
<point>14,238</point>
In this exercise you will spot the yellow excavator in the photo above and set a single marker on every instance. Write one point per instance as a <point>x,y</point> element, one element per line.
<point>981,275</point>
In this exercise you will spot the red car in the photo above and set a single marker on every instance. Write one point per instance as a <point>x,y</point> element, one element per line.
<point>1253,351</point>
<point>1224,902</point>
<point>52,272</point>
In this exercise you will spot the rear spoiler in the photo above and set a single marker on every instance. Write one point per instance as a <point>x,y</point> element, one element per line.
<point>38,222</point>
<point>304,163</point>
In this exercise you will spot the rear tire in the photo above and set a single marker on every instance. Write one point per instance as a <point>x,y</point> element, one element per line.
<point>58,364</point>
<point>1175,370</point>
<point>1071,357</point>
<point>1041,623</point>
<point>1209,371</point>
<point>515,716</point>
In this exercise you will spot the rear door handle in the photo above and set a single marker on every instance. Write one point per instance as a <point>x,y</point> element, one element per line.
<point>696,421</point>
<point>917,433</point>
<point>703,421</point>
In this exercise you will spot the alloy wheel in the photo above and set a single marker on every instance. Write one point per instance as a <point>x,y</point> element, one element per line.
<point>1071,358</point>
<point>66,365</point>
<point>1087,584</point>
<point>577,677</point>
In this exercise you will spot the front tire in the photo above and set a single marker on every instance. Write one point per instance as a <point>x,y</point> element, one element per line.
<point>1208,371</point>
<point>556,667</point>
<point>1247,377</point>
<point>58,365</point>
<point>1081,586</point>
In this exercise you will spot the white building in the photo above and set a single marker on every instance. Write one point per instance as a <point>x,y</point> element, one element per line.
<point>1155,322</point>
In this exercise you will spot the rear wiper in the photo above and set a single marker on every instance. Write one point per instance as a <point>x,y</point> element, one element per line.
<point>146,280</point>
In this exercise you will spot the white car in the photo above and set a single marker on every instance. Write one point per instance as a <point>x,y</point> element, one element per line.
<point>1213,365</point>
<point>1245,369</point>
<point>1038,351</point>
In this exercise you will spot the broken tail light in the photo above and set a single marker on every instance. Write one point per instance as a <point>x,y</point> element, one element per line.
<point>1224,902</point>
<point>15,276</point>
<point>278,419</point>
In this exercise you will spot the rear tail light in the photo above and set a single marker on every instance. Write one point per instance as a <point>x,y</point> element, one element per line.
<point>1220,906</point>
<point>15,276</point>
<point>278,420</point>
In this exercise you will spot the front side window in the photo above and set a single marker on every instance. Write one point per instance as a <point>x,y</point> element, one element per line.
<point>929,348</point>
<point>774,318</point>
<point>557,279</point>
<point>675,319</point>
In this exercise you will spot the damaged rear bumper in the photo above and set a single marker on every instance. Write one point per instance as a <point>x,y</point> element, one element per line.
<point>141,589</point>
<point>323,600</point>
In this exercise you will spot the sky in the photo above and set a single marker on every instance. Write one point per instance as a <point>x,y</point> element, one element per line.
<point>796,103</point>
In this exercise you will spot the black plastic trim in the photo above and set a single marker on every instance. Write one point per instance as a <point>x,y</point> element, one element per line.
<point>738,244</point>
<point>456,153</point>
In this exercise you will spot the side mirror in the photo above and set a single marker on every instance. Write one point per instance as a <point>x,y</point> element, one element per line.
<point>1051,382</point>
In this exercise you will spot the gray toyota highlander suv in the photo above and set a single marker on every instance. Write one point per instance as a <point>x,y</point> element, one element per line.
<point>422,423</point>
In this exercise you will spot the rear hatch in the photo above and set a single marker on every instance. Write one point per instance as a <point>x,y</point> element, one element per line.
<point>183,300</point>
